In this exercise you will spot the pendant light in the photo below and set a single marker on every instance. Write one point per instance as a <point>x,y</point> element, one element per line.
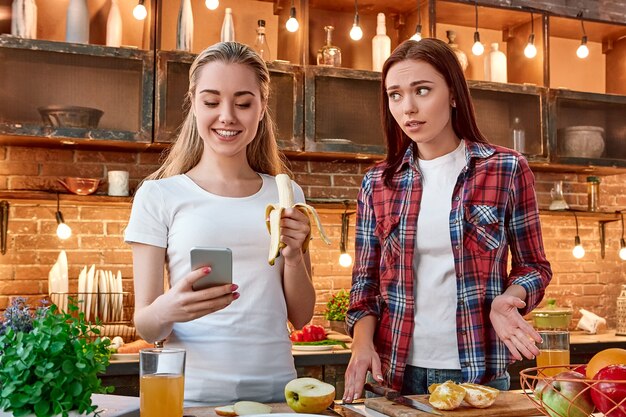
<point>212,4</point>
<point>578,250</point>
<point>63,230</point>
<point>478,48</point>
<point>356,33</point>
<point>417,36</point>
<point>622,242</point>
<point>292,24</point>
<point>582,51</point>
<point>345,259</point>
<point>140,12</point>
<point>531,51</point>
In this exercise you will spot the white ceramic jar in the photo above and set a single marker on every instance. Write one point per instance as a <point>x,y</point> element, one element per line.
<point>583,141</point>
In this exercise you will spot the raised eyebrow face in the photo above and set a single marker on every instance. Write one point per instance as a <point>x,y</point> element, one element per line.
<point>412,85</point>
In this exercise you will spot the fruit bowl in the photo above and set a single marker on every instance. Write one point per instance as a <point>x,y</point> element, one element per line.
<point>80,186</point>
<point>573,397</point>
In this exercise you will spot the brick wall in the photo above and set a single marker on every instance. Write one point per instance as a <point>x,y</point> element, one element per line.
<point>592,283</point>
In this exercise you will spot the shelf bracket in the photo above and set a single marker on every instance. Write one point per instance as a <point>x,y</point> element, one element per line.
<point>602,233</point>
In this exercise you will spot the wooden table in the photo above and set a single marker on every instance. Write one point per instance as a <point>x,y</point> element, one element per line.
<point>276,408</point>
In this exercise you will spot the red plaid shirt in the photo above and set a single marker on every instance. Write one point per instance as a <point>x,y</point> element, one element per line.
<point>494,211</point>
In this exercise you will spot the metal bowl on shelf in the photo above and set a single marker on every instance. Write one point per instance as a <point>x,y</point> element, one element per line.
<point>70,116</point>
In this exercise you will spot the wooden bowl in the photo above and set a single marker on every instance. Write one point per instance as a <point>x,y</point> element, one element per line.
<point>80,186</point>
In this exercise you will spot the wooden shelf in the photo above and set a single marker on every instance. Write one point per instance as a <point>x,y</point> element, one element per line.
<point>594,215</point>
<point>46,197</point>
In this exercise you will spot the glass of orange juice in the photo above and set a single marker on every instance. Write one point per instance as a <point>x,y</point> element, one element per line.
<point>553,351</point>
<point>162,382</point>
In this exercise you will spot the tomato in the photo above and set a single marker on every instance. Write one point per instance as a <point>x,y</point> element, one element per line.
<point>610,397</point>
<point>313,333</point>
<point>297,336</point>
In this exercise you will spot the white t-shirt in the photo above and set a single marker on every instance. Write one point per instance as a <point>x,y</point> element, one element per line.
<point>242,351</point>
<point>434,342</point>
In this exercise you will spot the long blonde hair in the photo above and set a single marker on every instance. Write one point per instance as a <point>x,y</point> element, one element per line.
<point>262,153</point>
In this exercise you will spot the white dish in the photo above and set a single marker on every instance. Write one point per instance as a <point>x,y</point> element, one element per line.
<point>124,357</point>
<point>82,283</point>
<point>312,348</point>
<point>103,308</point>
<point>89,287</point>
<point>120,296</point>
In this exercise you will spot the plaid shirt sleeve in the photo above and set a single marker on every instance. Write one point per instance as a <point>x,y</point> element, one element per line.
<point>529,265</point>
<point>365,274</point>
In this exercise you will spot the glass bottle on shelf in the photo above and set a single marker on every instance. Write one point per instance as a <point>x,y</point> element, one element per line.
<point>495,65</point>
<point>228,27</point>
<point>329,54</point>
<point>260,43</point>
<point>184,30</point>
<point>460,55</point>
<point>518,135</point>
<point>381,44</point>
<point>593,193</point>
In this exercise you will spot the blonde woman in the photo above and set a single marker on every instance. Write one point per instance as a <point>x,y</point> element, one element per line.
<point>212,191</point>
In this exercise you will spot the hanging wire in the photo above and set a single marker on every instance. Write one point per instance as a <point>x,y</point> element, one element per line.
<point>576,218</point>
<point>419,15</point>
<point>532,24</point>
<point>476,13</point>
<point>582,22</point>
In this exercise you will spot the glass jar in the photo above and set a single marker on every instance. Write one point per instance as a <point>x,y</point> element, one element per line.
<point>621,313</point>
<point>329,54</point>
<point>593,193</point>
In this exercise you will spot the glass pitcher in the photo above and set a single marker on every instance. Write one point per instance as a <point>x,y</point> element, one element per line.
<point>558,200</point>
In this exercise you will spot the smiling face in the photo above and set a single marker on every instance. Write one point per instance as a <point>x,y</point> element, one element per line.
<point>228,108</point>
<point>421,103</point>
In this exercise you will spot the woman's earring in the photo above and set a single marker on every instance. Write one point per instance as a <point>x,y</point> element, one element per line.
<point>453,104</point>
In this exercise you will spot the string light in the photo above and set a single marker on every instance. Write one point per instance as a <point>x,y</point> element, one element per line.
<point>417,36</point>
<point>531,51</point>
<point>356,33</point>
<point>578,250</point>
<point>478,48</point>
<point>345,259</point>
<point>582,51</point>
<point>212,4</point>
<point>140,12</point>
<point>622,242</point>
<point>63,230</point>
<point>292,24</point>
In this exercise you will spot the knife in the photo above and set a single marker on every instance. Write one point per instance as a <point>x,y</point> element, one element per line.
<point>393,395</point>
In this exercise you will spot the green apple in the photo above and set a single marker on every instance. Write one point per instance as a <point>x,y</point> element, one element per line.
<point>309,395</point>
<point>565,395</point>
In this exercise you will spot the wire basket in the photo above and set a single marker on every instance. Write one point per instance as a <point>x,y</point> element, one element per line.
<point>112,311</point>
<point>608,396</point>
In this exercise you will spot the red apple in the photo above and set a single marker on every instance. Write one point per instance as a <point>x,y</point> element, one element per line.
<point>609,396</point>
<point>580,368</point>
<point>570,398</point>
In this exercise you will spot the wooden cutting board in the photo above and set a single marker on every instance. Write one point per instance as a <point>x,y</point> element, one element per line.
<point>508,404</point>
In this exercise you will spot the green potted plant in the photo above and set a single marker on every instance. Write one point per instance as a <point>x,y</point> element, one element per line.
<point>49,364</point>
<point>336,309</point>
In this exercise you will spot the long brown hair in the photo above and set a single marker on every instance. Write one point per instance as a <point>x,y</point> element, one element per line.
<point>262,153</point>
<point>439,55</point>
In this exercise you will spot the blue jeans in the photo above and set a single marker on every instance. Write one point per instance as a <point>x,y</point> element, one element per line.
<point>417,380</point>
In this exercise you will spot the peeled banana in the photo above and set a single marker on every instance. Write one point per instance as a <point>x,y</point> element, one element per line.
<point>273,213</point>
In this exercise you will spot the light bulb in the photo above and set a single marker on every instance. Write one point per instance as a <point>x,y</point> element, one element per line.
<point>582,51</point>
<point>64,231</point>
<point>416,37</point>
<point>140,12</point>
<point>477,48</point>
<point>578,250</point>
<point>345,260</point>
<point>530,51</point>
<point>212,4</point>
<point>356,33</point>
<point>292,24</point>
<point>622,251</point>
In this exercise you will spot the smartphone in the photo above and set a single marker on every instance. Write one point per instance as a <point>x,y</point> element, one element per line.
<point>221,262</point>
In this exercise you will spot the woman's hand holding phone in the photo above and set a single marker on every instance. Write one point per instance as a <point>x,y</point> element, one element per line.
<point>182,303</point>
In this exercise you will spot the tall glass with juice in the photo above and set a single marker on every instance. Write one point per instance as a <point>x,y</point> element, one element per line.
<point>162,382</point>
<point>553,351</point>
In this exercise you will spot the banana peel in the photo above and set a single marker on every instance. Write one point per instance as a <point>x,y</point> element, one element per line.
<point>273,214</point>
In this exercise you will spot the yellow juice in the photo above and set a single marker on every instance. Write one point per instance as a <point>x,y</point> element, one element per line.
<point>161,395</point>
<point>552,357</point>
